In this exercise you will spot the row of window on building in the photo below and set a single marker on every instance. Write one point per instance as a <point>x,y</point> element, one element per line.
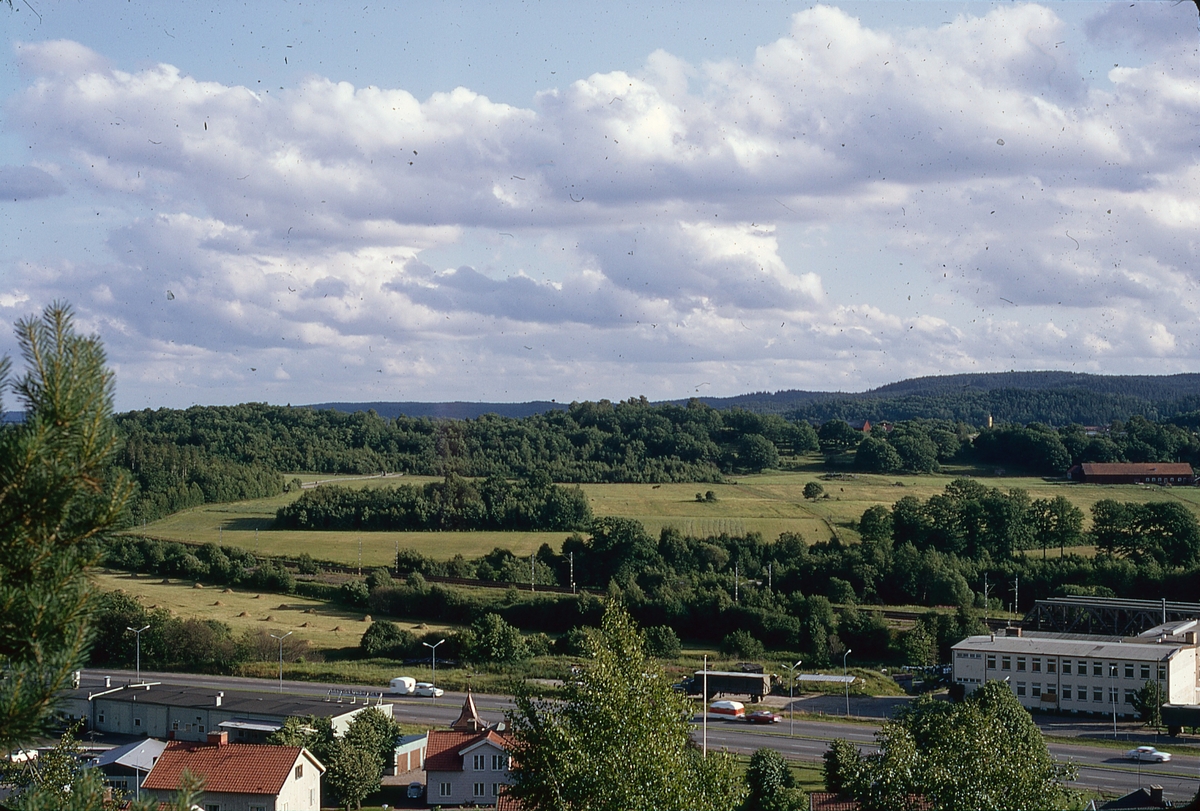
<point>1034,664</point>
<point>1068,693</point>
<point>477,790</point>
<point>499,763</point>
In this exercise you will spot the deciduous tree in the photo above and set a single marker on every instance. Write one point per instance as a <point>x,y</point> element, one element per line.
<point>619,739</point>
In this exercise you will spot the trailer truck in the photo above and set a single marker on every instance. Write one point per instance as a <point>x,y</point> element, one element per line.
<point>723,682</point>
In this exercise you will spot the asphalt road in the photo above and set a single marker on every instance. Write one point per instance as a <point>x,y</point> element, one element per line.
<point>1099,768</point>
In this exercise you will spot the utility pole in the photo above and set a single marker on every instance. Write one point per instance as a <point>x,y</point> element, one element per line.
<point>791,703</point>
<point>256,542</point>
<point>397,558</point>
<point>360,557</point>
<point>532,570</point>
<point>572,556</point>
<point>138,633</point>
<point>704,711</point>
<point>770,576</point>
<point>1017,594</point>
<point>281,638</point>
<point>735,582</point>
<point>986,589</point>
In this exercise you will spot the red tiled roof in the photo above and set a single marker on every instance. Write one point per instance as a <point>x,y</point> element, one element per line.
<point>831,801</point>
<point>442,751</point>
<point>506,802</point>
<point>234,768</point>
<point>1136,469</point>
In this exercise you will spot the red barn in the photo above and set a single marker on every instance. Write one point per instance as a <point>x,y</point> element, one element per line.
<point>1166,473</point>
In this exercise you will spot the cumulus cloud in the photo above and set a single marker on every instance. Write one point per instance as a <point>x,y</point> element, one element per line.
<point>1032,215</point>
<point>27,183</point>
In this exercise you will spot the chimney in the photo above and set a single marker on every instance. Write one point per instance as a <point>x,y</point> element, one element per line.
<point>1156,796</point>
<point>1011,631</point>
<point>107,681</point>
<point>1189,638</point>
<point>218,738</point>
<point>220,696</point>
<point>170,734</point>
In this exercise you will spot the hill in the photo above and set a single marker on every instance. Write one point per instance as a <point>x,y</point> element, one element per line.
<point>1055,398</point>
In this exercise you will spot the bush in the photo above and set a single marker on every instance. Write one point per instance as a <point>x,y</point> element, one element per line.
<point>387,639</point>
<point>354,593</point>
<point>663,642</point>
<point>741,645</point>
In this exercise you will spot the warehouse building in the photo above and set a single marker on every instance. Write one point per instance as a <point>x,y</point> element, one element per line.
<point>190,713</point>
<point>1084,672</point>
<point>1164,473</point>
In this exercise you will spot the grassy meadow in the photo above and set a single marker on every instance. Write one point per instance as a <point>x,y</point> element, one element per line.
<point>770,503</point>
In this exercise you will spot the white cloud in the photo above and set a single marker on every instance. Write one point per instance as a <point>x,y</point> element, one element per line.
<point>1043,217</point>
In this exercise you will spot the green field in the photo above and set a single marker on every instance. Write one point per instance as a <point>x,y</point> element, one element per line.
<point>769,503</point>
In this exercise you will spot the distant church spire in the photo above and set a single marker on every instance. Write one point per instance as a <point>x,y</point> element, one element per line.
<point>468,719</point>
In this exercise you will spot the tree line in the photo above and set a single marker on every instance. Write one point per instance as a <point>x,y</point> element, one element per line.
<point>453,504</point>
<point>923,445</point>
<point>629,441</point>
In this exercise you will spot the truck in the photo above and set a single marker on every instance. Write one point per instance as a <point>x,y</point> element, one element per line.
<point>725,682</point>
<point>1177,716</point>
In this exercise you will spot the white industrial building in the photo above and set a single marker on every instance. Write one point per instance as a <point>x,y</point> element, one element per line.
<point>1084,672</point>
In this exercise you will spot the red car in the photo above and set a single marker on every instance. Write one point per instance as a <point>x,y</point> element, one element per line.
<point>764,717</point>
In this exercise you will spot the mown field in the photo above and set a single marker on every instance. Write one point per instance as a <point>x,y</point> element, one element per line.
<point>770,503</point>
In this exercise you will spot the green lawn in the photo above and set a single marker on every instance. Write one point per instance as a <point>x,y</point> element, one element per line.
<point>769,503</point>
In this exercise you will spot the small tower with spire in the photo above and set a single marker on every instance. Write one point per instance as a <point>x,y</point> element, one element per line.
<point>468,719</point>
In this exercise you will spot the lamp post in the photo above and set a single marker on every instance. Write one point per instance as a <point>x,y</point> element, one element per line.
<point>281,638</point>
<point>433,660</point>
<point>846,676</point>
<point>791,706</point>
<point>138,633</point>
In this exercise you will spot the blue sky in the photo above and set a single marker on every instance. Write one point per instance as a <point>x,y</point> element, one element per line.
<point>307,202</point>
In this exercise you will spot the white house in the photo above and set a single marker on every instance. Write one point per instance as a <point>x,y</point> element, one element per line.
<point>240,777</point>
<point>466,767</point>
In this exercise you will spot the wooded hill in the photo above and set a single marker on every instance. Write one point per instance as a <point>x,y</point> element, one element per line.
<point>1055,398</point>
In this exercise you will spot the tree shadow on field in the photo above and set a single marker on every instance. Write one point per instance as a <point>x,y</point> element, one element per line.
<point>248,524</point>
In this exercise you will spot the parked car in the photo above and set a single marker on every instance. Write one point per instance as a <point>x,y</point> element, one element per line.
<point>764,717</point>
<point>403,685</point>
<point>1148,754</point>
<point>427,690</point>
<point>416,790</point>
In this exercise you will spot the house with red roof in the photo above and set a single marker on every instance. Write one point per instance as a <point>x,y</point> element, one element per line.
<point>240,776</point>
<point>468,763</point>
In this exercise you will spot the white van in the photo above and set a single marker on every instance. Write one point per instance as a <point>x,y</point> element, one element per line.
<point>403,686</point>
<point>726,711</point>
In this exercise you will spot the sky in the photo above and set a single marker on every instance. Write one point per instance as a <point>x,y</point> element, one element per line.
<point>309,202</point>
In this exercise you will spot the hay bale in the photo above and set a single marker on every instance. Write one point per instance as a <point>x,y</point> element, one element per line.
<point>304,625</point>
<point>270,618</point>
<point>227,591</point>
<point>310,611</point>
<point>166,581</point>
<point>257,597</point>
<point>282,607</point>
<point>218,602</point>
<point>244,614</point>
<point>367,618</point>
<point>337,629</point>
<point>198,586</point>
<point>423,627</point>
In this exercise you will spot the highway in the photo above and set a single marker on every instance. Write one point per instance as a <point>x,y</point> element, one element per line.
<point>1099,768</point>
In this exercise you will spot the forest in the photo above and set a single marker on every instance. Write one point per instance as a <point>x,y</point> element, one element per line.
<point>453,504</point>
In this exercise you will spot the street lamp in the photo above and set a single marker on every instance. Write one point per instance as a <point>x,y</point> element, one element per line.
<point>433,661</point>
<point>791,705</point>
<point>281,638</point>
<point>846,676</point>
<point>138,633</point>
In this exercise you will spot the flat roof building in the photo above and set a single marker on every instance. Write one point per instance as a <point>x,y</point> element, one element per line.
<point>190,713</point>
<point>1084,672</point>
